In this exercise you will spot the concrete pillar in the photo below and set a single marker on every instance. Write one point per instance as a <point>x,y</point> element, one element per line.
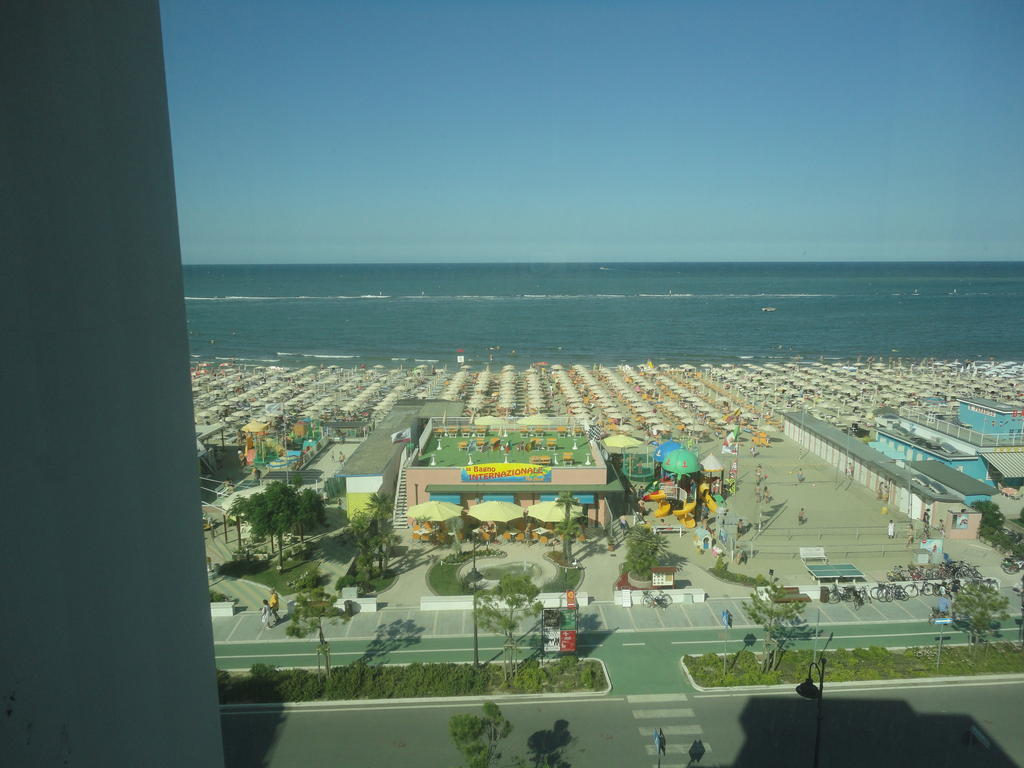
<point>105,640</point>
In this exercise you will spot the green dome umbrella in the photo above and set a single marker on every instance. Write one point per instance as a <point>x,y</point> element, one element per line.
<point>496,511</point>
<point>435,511</point>
<point>681,462</point>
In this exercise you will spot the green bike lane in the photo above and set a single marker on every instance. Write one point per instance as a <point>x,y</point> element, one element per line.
<point>644,661</point>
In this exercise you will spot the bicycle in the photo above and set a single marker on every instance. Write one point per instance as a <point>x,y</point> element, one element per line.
<point>656,599</point>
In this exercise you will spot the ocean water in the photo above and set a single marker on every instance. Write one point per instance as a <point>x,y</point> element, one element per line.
<point>603,313</point>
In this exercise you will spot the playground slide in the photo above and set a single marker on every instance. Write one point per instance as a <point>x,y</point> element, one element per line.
<point>704,493</point>
<point>664,503</point>
<point>685,515</point>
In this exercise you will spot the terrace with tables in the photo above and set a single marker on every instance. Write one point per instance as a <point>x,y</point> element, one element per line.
<point>470,463</point>
<point>545,445</point>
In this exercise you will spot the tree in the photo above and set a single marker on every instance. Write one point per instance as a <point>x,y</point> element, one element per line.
<point>502,609</point>
<point>644,549</point>
<point>567,528</point>
<point>980,606</point>
<point>372,533</point>
<point>273,512</point>
<point>477,737</point>
<point>771,612</point>
<point>313,606</point>
<point>311,511</point>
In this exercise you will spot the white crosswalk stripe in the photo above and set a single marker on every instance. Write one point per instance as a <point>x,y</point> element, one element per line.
<point>680,738</point>
<point>652,698</point>
<point>674,730</point>
<point>663,714</point>
<point>675,749</point>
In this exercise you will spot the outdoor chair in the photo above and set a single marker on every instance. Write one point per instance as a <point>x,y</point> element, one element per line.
<point>520,537</point>
<point>507,537</point>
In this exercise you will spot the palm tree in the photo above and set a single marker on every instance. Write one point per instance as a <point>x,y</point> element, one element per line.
<point>566,501</point>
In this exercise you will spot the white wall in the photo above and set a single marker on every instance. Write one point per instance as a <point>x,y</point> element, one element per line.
<point>106,640</point>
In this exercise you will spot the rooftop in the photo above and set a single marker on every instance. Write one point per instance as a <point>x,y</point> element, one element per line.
<point>377,451</point>
<point>951,478</point>
<point>550,446</point>
<point>992,405</point>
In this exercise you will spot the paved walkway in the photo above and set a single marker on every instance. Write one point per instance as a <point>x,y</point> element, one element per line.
<point>843,517</point>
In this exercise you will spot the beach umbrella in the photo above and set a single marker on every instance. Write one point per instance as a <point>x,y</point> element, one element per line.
<point>621,441</point>
<point>496,511</point>
<point>535,421</point>
<point>552,512</point>
<point>663,450</point>
<point>436,511</point>
<point>681,462</point>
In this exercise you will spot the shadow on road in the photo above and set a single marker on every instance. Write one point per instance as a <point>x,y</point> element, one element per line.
<point>547,748</point>
<point>248,747</point>
<point>780,731</point>
<point>398,635</point>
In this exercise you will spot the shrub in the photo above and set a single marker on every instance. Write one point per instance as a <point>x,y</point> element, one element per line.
<point>721,570</point>
<point>530,678</point>
<point>218,597</point>
<point>308,579</point>
<point>299,685</point>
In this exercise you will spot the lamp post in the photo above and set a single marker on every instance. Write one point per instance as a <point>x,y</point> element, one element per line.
<point>474,578</point>
<point>809,690</point>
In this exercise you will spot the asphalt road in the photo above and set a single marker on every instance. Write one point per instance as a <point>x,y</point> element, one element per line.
<point>638,662</point>
<point>921,725</point>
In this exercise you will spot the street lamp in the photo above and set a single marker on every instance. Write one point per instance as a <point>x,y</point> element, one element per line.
<point>474,581</point>
<point>808,690</point>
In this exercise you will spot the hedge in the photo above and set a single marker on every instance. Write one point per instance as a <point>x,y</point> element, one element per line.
<point>360,680</point>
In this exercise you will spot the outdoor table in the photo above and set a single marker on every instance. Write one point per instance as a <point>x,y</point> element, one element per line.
<point>837,572</point>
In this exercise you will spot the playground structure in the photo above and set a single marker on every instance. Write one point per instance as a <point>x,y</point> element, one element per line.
<point>681,508</point>
<point>284,449</point>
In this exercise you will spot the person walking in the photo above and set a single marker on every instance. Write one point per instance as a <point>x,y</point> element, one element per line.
<point>802,517</point>
<point>265,614</point>
<point>275,603</point>
<point>891,529</point>
<point>910,536</point>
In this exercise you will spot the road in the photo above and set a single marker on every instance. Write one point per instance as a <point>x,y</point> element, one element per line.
<point>884,726</point>
<point>639,662</point>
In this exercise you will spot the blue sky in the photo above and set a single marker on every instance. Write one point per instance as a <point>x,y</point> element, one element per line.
<point>597,131</point>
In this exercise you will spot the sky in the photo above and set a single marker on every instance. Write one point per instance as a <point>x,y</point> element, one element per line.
<point>547,130</point>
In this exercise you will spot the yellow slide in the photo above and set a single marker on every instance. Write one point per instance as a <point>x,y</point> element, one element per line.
<point>664,505</point>
<point>705,496</point>
<point>685,515</point>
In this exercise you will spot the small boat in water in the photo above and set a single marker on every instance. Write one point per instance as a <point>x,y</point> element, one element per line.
<point>767,309</point>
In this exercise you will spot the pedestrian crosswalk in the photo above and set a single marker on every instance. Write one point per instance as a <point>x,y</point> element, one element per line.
<point>683,736</point>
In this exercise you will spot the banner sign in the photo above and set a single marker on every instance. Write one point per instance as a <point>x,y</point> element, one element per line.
<point>506,473</point>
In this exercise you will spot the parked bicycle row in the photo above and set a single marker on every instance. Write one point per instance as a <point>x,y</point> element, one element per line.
<point>886,592</point>
<point>951,569</point>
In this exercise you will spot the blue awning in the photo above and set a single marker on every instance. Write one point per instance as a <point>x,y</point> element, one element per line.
<point>548,496</point>
<point>509,497</point>
<point>453,498</point>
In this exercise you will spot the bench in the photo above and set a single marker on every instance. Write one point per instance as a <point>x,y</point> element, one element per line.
<point>222,609</point>
<point>813,553</point>
<point>359,604</point>
<point>793,595</point>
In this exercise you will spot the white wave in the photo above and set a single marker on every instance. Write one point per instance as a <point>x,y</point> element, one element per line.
<point>426,360</point>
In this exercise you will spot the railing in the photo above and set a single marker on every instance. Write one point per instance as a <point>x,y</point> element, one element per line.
<point>934,420</point>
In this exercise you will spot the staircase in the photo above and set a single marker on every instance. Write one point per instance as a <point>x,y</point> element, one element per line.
<point>401,501</point>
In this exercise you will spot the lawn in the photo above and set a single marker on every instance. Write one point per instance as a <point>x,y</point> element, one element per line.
<point>265,572</point>
<point>843,665</point>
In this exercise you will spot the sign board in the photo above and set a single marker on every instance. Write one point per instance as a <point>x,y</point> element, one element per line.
<point>570,599</point>
<point>567,640</point>
<point>506,473</point>
<point>942,621</point>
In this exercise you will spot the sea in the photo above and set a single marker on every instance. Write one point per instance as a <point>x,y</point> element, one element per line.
<point>607,313</point>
